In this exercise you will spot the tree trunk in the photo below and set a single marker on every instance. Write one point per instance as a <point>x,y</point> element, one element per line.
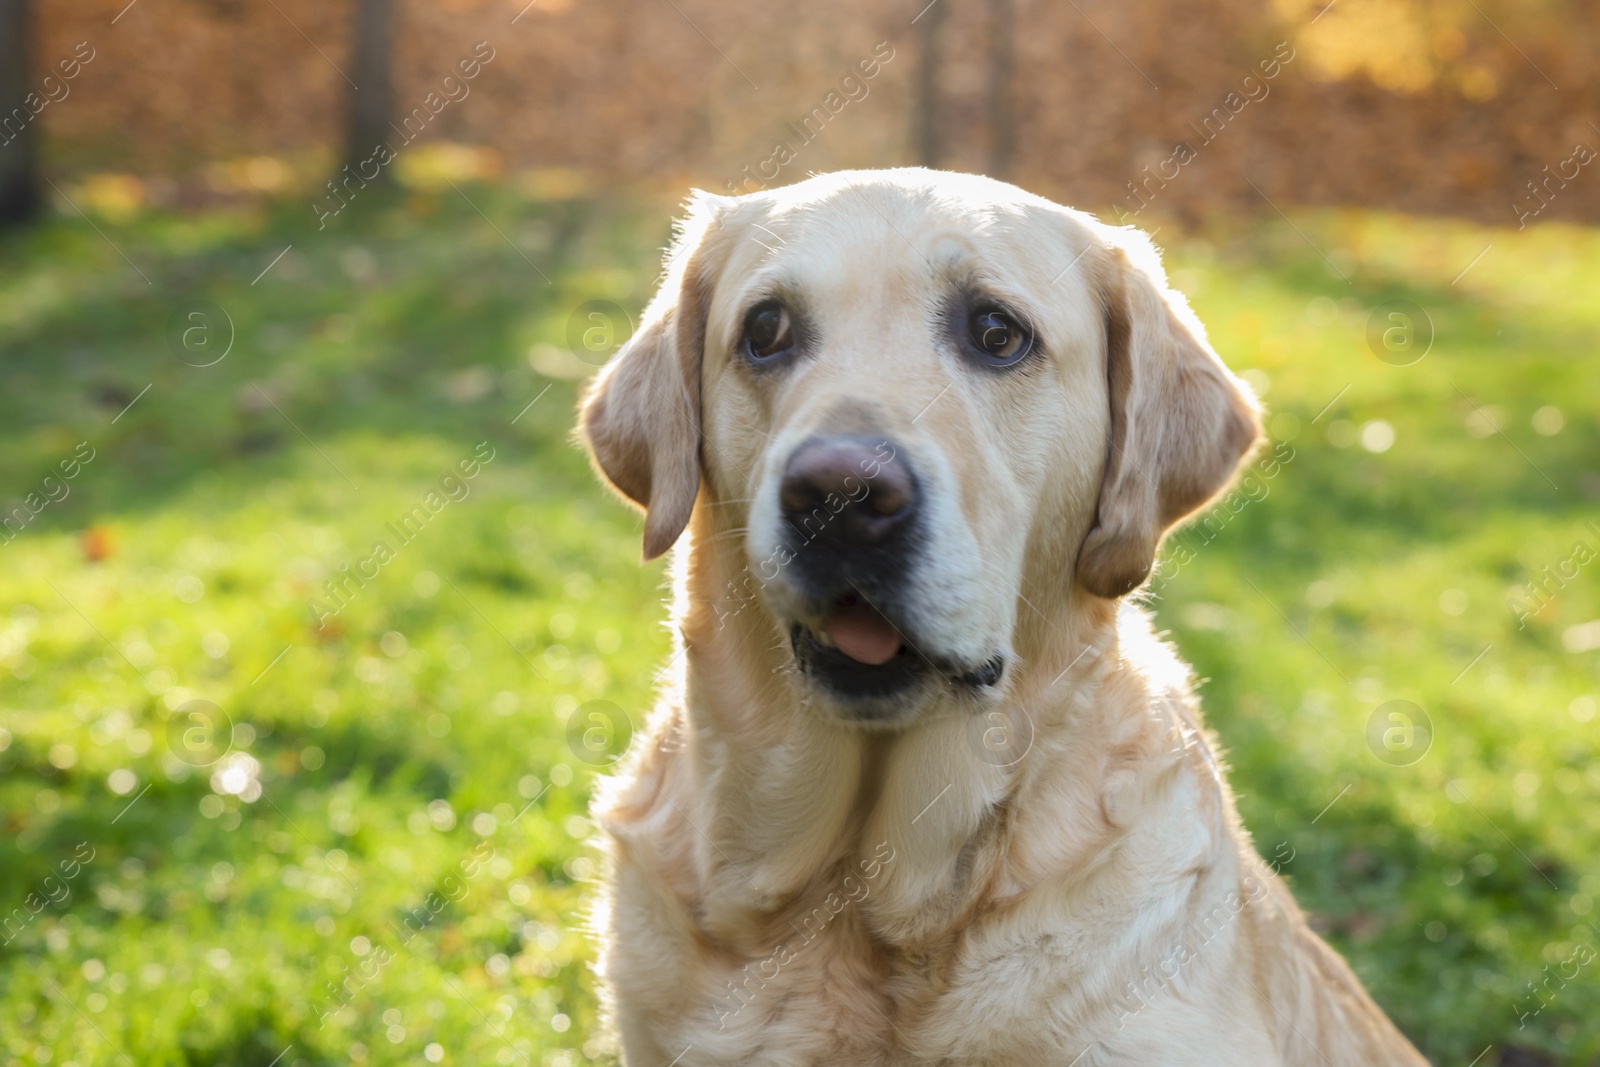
<point>372,98</point>
<point>19,133</point>
<point>1002,114</point>
<point>929,142</point>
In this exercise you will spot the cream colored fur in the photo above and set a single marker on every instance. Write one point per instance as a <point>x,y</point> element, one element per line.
<point>1053,874</point>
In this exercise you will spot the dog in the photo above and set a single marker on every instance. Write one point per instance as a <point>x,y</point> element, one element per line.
<point>923,786</point>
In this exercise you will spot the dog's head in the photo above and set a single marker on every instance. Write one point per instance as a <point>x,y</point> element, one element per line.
<point>911,401</point>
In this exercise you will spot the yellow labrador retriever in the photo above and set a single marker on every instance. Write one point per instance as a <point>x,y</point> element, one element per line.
<point>925,788</point>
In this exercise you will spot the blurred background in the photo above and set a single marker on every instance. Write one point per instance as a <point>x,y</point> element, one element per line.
<point>315,629</point>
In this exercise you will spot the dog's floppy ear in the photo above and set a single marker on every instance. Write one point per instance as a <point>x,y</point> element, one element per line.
<point>641,416</point>
<point>1180,421</point>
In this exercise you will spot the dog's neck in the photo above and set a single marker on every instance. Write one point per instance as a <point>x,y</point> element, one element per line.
<point>784,800</point>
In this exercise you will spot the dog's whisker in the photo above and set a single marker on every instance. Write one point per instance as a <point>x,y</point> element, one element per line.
<point>727,535</point>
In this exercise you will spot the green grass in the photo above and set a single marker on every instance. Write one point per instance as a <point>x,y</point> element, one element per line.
<point>423,728</point>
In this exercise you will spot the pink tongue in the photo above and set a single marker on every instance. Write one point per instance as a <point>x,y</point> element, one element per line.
<point>862,634</point>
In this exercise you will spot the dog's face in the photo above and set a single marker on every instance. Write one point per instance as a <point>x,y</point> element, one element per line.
<point>915,400</point>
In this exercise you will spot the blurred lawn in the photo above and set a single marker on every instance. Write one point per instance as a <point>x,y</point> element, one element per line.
<point>401,811</point>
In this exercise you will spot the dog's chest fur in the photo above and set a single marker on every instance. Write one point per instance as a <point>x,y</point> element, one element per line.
<point>928,906</point>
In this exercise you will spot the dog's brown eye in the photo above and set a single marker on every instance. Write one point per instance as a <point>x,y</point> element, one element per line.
<point>998,337</point>
<point>767,331</point>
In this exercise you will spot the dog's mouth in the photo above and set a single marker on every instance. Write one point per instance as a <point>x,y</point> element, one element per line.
<point>863,658</point>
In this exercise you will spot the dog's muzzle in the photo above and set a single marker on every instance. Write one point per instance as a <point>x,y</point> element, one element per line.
<point>853,506</point>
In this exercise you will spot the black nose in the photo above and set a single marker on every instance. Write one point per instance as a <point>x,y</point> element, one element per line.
<point>848,491</point>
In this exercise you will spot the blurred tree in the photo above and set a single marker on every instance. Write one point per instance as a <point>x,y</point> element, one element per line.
<point>1002,117</point>
<point>929,147</point>
<point>372,96</point>
<point>19,145</point>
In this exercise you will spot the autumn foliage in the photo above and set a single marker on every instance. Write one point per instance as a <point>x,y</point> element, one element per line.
<point>1438,106</point>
